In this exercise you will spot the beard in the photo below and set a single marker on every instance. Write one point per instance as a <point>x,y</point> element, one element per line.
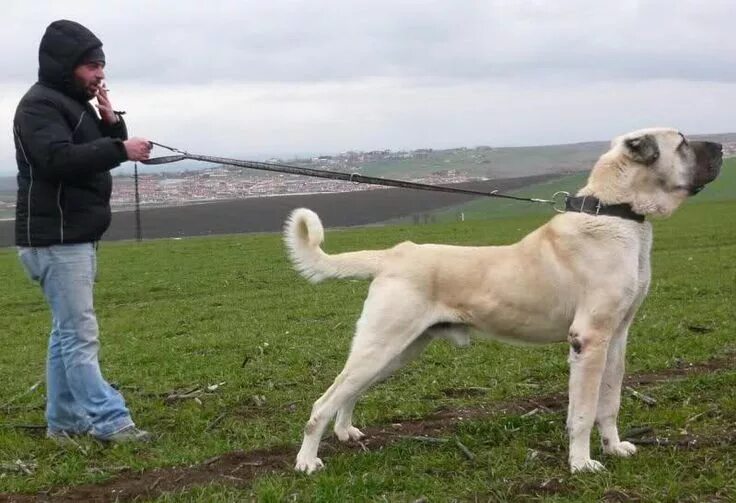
<point>87,89</point>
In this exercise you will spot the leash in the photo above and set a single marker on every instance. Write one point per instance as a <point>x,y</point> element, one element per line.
<point>556,202</point>
<point>561,200</point>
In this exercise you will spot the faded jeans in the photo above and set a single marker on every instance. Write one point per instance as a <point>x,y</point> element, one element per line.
<point>78,399</point>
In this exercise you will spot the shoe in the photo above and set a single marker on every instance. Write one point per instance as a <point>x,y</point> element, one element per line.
<point>128,435</point>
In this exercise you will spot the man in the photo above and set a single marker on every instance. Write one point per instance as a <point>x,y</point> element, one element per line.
<point>65,153</point>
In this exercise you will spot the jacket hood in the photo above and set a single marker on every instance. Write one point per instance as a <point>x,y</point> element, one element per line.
<point>62,45</point>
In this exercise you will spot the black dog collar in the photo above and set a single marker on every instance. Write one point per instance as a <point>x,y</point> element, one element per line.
<point>592,206</point>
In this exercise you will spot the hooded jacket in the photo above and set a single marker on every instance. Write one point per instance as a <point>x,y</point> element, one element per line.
<point>63,150</point>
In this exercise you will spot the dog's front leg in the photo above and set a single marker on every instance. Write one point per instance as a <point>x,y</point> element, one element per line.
<point>610,399</point>
<point>588,348</point>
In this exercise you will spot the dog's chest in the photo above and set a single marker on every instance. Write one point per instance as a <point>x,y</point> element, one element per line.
<point>540,308</point>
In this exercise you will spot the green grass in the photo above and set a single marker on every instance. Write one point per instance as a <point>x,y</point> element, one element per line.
<point>175,314</point>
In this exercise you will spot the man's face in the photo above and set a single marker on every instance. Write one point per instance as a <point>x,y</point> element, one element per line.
<point>89,76</point>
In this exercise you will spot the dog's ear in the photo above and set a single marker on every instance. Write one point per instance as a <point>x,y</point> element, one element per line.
<point>643,149</point>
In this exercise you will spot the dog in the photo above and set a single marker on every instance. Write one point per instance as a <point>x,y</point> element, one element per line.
<point>579,278</point>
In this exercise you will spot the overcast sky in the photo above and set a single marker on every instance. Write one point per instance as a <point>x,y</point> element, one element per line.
<point>261,78</point>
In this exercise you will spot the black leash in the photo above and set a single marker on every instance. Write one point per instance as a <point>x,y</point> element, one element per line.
<point>561,201</point>
<point>333,175</point>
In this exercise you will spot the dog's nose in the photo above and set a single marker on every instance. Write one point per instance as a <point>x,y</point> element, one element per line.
<point>709,151</point>
<point>715,149</point>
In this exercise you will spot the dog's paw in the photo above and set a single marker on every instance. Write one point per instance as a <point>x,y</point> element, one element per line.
<point>586,465</point>
<point>308,466</point>
<point>622,449</point>
<point>349,433</point>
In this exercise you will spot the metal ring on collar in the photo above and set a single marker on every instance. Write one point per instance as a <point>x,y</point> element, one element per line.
<point>559,199</point>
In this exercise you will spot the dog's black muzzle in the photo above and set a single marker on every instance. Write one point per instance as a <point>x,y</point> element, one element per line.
<point>708,162</point>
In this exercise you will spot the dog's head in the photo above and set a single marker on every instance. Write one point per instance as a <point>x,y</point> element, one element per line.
<point>654,170</point>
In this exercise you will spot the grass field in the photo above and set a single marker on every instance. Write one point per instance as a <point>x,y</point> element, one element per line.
<point>220,349</point>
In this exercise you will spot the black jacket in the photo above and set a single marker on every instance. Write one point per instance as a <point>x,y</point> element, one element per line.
<point>63,150</point>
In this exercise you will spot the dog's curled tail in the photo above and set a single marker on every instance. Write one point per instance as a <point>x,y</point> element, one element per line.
<point>303,235</point>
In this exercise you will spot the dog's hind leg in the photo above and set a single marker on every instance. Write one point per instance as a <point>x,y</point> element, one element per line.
<point>359,373</point>
<point>344,428</point>
<point>391,321</point>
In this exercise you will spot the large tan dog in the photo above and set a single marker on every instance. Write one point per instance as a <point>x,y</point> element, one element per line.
<point>579,278</point>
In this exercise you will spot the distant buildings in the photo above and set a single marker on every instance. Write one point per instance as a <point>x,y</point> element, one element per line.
<point>729,149</point>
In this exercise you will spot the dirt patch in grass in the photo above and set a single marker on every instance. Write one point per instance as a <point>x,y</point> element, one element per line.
<point>239,469</point>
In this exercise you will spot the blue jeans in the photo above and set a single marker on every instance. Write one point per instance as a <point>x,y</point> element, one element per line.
<point>78,399</point>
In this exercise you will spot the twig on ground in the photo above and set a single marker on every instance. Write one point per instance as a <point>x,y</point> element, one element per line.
<point>432,440</point>
<point>18,467</point>
<point>39,406</point>
<point>468,454</point>
<point>23,426</point>
<point>544,408</point>
<point>637,432</point>
<point>531,412</point>
<point>664,442</point>
<point>21,395</point>
<point>644,398</point>
<point>246,463</point>
<point>215,422</point>
<point>185,395</point>
<point>698,416</point>
<point>212,460</point>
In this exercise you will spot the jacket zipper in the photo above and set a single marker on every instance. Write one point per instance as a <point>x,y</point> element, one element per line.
<point>30,185</point>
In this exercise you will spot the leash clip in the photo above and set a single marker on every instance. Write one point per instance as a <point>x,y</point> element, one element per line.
<point>559,200</point>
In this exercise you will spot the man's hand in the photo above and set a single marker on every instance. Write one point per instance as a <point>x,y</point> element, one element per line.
<point>138,149</point>
<point>105,107</point>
